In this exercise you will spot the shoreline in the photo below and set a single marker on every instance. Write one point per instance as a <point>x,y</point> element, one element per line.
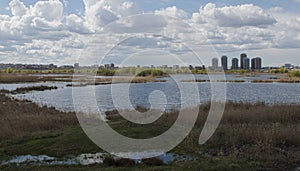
<point>63,77</point>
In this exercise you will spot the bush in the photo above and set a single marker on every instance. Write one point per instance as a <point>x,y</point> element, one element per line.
<point>294,74</point>
<point>153,72</point>
<point>9,70</point>
<point>153,161</point>
<point>110,161</point>
<point>125,162</point>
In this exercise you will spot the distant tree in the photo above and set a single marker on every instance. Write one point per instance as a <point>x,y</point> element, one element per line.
<point>9,70</point>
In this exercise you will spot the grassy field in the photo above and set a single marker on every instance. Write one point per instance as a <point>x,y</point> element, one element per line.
<point>250,137</point>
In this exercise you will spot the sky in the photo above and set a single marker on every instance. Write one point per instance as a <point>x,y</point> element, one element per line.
<point>146,32</point>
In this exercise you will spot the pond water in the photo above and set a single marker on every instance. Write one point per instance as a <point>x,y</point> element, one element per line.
<point>170,94</point>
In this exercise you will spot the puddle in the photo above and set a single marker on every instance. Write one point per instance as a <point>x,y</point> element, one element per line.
<point>42,160</point>
<point>90,159</point>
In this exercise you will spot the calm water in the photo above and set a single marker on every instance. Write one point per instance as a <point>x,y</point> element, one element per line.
<point>160,95</point>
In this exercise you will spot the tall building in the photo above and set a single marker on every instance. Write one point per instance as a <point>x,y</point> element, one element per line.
<point>256,63</point>
<point>76,66</point>
<point>235,64</point>
<point>215,63</point>
<point>242,57</point>
<point>109,66</point>
<point>246,63</point>
<point>224,62</point>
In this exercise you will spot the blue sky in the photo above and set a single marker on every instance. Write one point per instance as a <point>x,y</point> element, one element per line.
<point>56,31</point>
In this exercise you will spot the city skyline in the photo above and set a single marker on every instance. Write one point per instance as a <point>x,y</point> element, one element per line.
<point>245,62</point>
<point>58,31</point>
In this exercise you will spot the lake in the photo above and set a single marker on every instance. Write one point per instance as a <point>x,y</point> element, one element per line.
<point>170,94</point>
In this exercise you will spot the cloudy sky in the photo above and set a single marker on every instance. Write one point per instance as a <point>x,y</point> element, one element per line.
<point>148,32</point>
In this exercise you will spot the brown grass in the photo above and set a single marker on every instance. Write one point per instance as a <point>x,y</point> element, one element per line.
<point>80,82</point>
<point>283,79</point>
<point>19,118</point>
<point>252,131</point>
<point>255,132</point>
<point>22,78</point>
<point>229,81</point>
<point>33,88</point>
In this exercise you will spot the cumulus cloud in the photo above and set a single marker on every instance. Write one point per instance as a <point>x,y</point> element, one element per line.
<point>76,24</point>
<point>172,12</point>
<point>17,8</point>
<point>100,13</point>
<point>276,9</point>
<point>233,16</point>
<point>49,10</point>
<point>287,34</point>
<point>45,30</point>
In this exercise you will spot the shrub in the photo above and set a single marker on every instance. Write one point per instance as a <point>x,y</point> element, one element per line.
<point>294,74</point>
<point>110,161</point>
<point>153,161</point>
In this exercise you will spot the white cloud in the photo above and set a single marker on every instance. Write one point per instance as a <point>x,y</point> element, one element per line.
<point>43,31</point>
<point>43,24</point>
<point>17,8</point>
<point>76,24</point>
<point>233,16</point>
<point>276,9</point>
<point>102,12</point>
<point>49,10</point>
<point>172,12</point>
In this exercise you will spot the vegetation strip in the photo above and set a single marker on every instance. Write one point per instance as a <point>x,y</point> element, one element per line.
<point>250,137</point>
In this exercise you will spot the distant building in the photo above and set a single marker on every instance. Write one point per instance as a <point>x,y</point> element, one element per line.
<point>112,66</point>
<point>224,62</point>
<point>95,66</point>
<point>235,64</point>
<point>246,63</point>
<point>256,63</point>
<point>288,66</point>
<point>107,66</point>
<point>191,67</point>
<point>242,57</point>
<point>165,66</point>
<point>76,66</point>
<point>66,67</point>
<point>215,63</point>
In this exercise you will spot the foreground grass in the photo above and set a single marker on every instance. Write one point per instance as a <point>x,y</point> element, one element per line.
<point>250,137</point>
<point>21,118</point>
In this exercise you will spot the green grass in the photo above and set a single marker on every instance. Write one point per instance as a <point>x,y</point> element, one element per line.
<point>60,143</point>
<point>250,137</point>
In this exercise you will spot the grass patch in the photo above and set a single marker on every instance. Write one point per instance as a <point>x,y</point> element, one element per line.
<point>249,137</point>
<point>19,118</point>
